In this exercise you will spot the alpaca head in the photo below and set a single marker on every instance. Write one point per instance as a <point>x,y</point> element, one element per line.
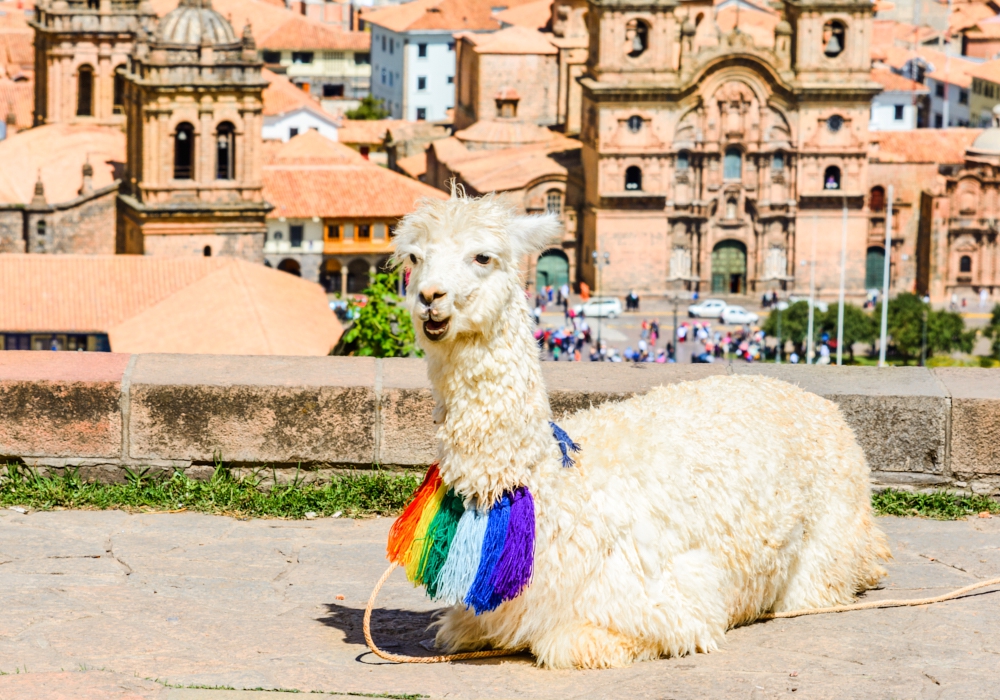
<point>464,258</point>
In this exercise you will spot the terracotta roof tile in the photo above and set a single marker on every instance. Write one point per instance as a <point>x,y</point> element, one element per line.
<point>454,15</point>
<point>955,68</point>
<point>17,52</point>
<point>967,15</point>
<point>415,166</point>
<point>282,95</point>
<point>311,148</point>
<point>941,146</point>
<point>512,40</point>
<point>17,96</point>
<point>57,152</point>
<point>342,191</point>
<point>502,131</point>
<point>893,82</point>
<point>987,71</point>
<point>533,15</point>
<point>505,169</point>
<point>367,131</point>
<point>14,17</point>
<point>153,304</point>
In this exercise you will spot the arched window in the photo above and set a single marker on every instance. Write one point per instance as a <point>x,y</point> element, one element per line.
<point>207,252</point>
<point>225,152</point>
<point>118,102</point>
<point>553,202</point>
<point>876,200</point>
<point>633,178</point>
<point>85,92</point>
<point>834,36</point>
<point>635,123</point>
<point>965,263</point>
<point>778,162</point>
<point>683,160</point>
<point>40,228</point>
<point>831,178</point>
<point>636,37</point>
<point>732,168</point>
<point>184,152</point>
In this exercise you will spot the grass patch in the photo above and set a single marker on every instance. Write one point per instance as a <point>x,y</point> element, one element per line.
<point>353,495</point>
<point>939,505</point>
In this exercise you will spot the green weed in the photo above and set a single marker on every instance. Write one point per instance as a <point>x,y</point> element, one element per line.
<point>939,505</point>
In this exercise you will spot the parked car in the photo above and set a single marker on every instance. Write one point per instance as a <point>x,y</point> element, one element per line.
<point>738,316</point>
<point>710,308</point>
<point>820,306</point>
<point>606,307</point>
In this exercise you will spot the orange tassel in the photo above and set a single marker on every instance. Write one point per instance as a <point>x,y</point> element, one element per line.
<point>402,531</point>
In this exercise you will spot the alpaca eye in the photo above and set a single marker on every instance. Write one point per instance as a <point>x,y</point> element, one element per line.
<point>413,258</point>
<point>483,259</point>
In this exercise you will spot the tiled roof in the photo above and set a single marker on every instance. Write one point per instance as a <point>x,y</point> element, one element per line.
<point>12,16</point>
<point>275,27</point>
<point>57,152</point>
<point>415,166</point>
<point>342,191</point>
<point>311,148</point>
<point>153,304</point>
<point>282,95</point>
<point>987,28</point>
<point>534,15</point>
<point>17,97</point>
<point>502,131</point>
<point>967,15</point>
<point>17,51</point>
<point>366,131</point>
<point>506,169</point>
<point>512,40</point>
<point>893,82</point>
<point>454,15</point>
<point>942,146</point>
<point>987,71</point>
<point>954,69</point>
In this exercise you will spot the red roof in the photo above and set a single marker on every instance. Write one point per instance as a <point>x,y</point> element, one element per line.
<point>154,304</point>
<point>512,40</point>
<point>282,95</point>
<point>367,131</point>
<point>311,148</point>
<point>939,146</point>
<point>454,15</point>
<point>534,15</point>
<point>893,82</point>
<point>989,71</point>
<point>17,96</point>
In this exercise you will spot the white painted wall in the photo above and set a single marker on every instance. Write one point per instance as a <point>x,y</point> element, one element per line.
<point>883,115</point>
<point>279,128</point>
<point>958,113</point>
<point>397,70</point>
<point>279,236</point>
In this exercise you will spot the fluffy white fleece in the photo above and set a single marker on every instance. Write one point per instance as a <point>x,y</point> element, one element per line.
<point>690,510</point>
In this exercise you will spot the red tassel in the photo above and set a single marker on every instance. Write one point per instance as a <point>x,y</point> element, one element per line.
<point>401,533</point>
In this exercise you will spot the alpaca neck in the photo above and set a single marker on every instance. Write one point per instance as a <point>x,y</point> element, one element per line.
<point>493,410</point>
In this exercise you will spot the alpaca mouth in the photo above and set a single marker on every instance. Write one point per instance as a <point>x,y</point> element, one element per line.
<point>435,330</point>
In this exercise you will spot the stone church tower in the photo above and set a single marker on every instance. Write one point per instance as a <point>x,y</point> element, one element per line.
<point>711,160</point>
<point>193,182</point>
<point>80,48</point>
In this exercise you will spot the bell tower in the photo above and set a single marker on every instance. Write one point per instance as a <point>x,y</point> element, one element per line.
<point>193,102</point>
<point>831,39</point>
<point>80,48</point>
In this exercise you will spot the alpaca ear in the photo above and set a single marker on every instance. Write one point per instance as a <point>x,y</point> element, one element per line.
<point>533,234</point>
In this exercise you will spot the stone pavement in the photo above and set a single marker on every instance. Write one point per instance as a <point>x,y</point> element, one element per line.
<point>105,605</point>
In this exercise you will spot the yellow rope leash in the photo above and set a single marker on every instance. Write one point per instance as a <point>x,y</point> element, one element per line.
<point>769,616</point>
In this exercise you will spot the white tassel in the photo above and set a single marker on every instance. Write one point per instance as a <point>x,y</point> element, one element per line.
<point>460,568</point>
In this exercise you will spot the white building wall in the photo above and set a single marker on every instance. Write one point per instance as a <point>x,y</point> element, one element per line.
<point>883,115</point>
<point>387,58</point>
<point>958,113</point>
<point>279,236</point>
<point>280,128</point>
<point>437,69</point>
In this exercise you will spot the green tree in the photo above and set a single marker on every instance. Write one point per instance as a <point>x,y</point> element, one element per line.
<point>945,329</point>
<point>992,331</point>
<point>859,327</point>
<point>371,107</point>
<point>383,327</point>
<point>794,323</point>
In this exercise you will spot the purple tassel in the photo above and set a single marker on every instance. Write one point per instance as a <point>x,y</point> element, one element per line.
<point>513,571</point>
<point>480,596</point>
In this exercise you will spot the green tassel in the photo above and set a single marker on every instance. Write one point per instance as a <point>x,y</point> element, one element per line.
<point>440,535</point>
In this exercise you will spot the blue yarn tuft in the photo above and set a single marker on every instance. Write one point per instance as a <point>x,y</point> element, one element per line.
<point>460,567</point>
<point>480,596</point>
<point>565,441</point>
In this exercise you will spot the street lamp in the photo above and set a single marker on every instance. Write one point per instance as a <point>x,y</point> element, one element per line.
<point>600,261</point>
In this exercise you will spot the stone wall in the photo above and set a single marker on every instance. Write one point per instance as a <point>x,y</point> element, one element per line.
<point>919,428</point>
<point>11,229</point>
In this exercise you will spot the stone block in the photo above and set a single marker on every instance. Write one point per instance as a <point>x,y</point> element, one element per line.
<point>407,435</point>
<point>975,419</point>
<point>575,386</point>
<point>899,414</point>
<point>61,405</point>
<point>253,409</point>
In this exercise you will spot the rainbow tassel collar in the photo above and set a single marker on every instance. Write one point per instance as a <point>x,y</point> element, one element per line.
<point>479,558</point>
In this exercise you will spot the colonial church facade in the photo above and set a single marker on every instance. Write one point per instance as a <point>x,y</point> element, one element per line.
<point>715,164</point>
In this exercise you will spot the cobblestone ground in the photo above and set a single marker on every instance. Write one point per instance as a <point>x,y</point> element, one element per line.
<point>110,605</point>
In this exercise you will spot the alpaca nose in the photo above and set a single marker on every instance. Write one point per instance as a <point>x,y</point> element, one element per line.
<point>429,295</point>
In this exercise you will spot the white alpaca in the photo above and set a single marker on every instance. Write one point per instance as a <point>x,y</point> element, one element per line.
<point>690,510</point>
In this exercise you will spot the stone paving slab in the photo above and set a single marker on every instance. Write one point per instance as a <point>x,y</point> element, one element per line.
<point>99,604</point>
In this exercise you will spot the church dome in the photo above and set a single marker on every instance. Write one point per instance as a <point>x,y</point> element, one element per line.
<point>194,22</point>
<point>988,142</point>
<point>783,28</point>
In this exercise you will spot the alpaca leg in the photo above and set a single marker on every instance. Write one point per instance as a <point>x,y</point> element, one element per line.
<point>589,646</point>
<point>460,630</point>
